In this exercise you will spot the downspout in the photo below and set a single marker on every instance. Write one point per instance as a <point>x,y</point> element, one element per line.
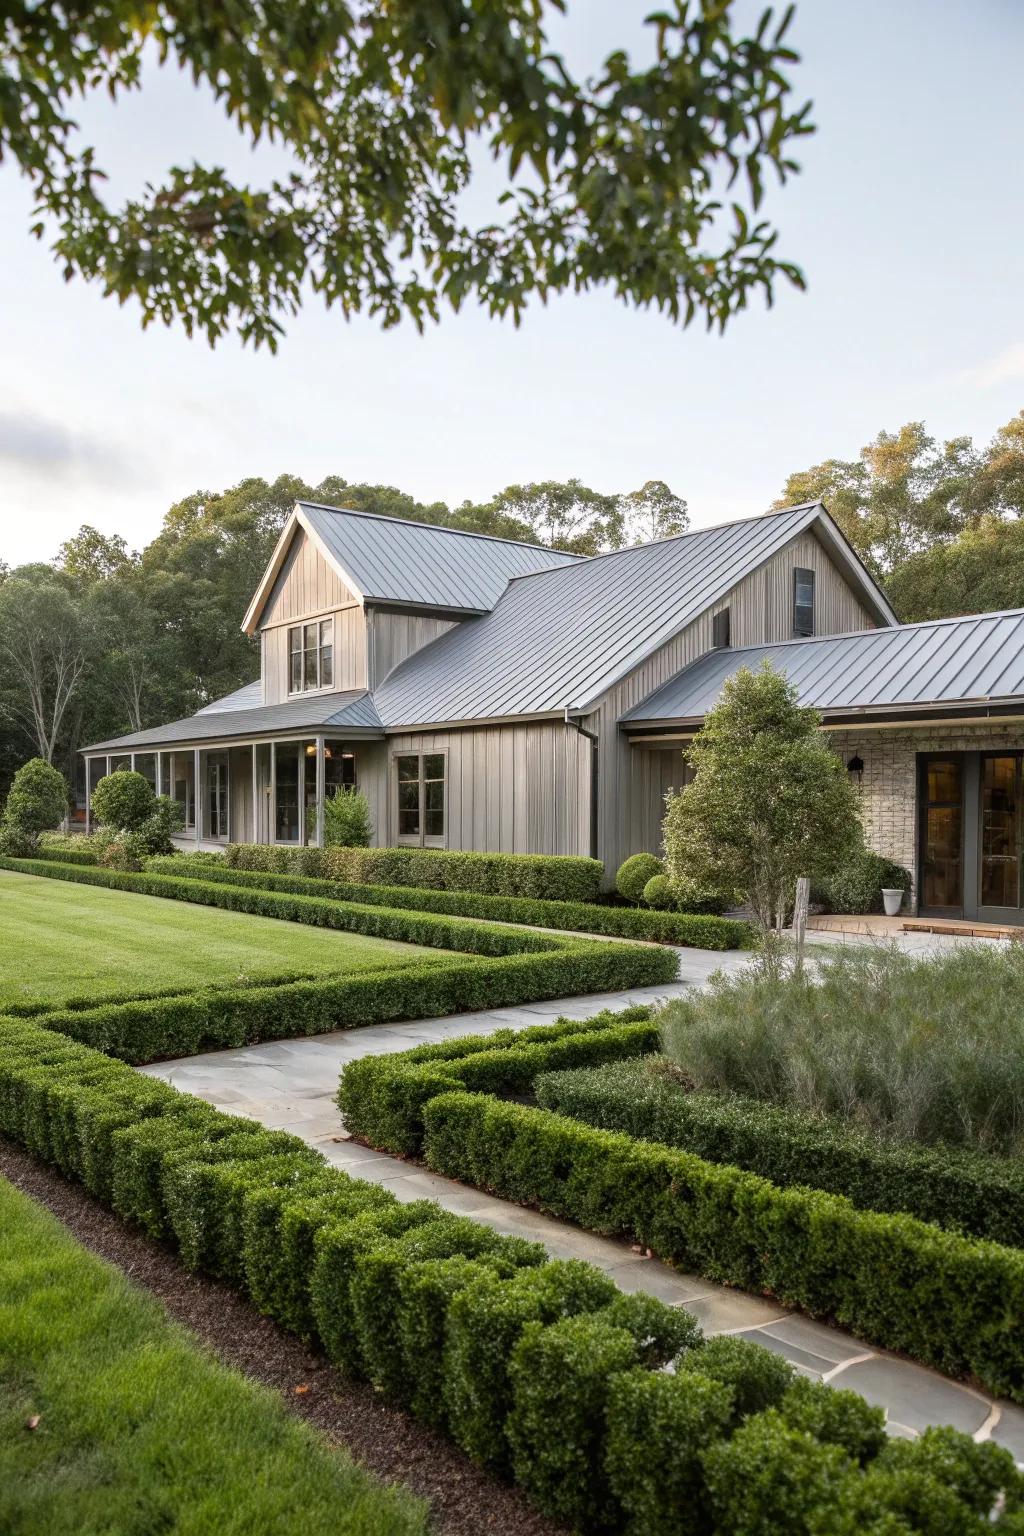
<point>594,740</point>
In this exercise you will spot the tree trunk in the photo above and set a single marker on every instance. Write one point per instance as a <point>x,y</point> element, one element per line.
<point>803,897</point>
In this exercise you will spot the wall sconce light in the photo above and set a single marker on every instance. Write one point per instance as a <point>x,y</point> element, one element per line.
<point>855,768</point>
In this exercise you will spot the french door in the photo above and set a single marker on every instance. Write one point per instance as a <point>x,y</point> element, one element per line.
<point>999,835</point>
<point>942,834</point>
<point>217,795</point>
<point>971,854</point>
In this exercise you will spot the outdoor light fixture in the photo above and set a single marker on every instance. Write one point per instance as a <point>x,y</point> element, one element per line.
<point>855,768</point>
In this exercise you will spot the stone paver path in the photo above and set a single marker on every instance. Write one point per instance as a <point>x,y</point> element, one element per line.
<point>290,1085</point>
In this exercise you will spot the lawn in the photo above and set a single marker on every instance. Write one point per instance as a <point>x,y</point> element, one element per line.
<point>63,941</point>
<point>114,1419</point>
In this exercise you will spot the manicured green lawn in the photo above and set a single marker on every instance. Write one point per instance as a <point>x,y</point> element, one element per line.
<point>61,941</point>
<point>115,1420</point>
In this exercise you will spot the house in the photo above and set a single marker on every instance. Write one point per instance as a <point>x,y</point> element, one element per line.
<point>492,695</point>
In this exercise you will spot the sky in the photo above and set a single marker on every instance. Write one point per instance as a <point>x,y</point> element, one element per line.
<point>907,218</point>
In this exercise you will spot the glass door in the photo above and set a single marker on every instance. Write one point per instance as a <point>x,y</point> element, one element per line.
<point>287,765</point>
<point>999,831</point>
<point>942,834</point>
<point>217,794</point>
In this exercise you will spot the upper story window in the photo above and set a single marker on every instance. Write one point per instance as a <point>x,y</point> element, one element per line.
<point>311,656</point>
<point>803,602</point>
<point>720,629</point>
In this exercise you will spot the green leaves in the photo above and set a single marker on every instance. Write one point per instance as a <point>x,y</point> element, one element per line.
<point>378,106</point>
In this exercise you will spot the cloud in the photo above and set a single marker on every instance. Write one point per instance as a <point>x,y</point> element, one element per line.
<point>38,446</point>
<point>1004,368</point>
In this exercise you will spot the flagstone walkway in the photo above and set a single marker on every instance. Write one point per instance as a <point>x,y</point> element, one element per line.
<point>290,1085</point>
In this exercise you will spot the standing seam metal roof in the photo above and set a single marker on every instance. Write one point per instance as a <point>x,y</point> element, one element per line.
<point>975,659</point>
<point>393,560</point>
<point>350,709</point>
<point>560,639</point>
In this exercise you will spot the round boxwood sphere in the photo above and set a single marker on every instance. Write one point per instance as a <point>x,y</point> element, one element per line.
<point>123,800</point>
<point>658,892</point>
<point>634,874</point>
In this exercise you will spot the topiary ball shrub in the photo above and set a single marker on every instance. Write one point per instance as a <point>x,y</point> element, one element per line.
<point>856,885</point>
<point>658,893</point>
<point>634,874</point>
<point>123,800</point>
<point>37,801</point>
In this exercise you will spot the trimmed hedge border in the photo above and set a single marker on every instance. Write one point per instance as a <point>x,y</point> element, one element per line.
<point>508,968</point>
<point>695,929</point>
<point>952,1302</point>
<point>35,1009</point>
<point>553,877</point>
<point>535,1367</point>
<point>955,1188</point>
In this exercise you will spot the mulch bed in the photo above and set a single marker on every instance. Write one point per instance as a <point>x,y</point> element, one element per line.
<point>463,1498</point>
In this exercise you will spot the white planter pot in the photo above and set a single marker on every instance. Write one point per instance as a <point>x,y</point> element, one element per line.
<point>893,900</point>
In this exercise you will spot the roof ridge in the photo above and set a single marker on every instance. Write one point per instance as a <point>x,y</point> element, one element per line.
<point>462,533</point>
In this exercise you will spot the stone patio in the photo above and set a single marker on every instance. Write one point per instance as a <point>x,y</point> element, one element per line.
<point>290,1085</point>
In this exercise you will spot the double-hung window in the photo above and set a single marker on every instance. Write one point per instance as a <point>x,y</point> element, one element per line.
<point>420,788</point>
<point>803,603</point>
<point>311,656</point>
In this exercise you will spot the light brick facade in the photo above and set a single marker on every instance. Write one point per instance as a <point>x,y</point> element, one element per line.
<point>888,789</point>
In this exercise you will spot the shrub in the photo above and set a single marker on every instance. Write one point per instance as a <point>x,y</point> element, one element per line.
<point>834,1417</point>
<point>36,801</point>
<point>125,852</point>
<point>756,1377</point>
<point>692,897</point>
<point>878,1037</point>
<point>856,885</point>
<point>658,893</point>
<point>575,916</point>
<point>770,1478</point>
<point>554,877</point>
<point>347,821</point>
<point>634,875</point>
<point>658,1427</point>
<point>123,800</point>
<point>955,1187</point>
<point>156,831</point>
<point>946,1300</point>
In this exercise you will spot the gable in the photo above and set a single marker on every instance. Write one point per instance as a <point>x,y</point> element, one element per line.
<point>306,584</point>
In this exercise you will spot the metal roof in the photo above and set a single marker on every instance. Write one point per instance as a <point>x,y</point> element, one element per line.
<point>974,660</point>
<point>250,696</point>
<point>420,565</point>
<point>349,710</point>
<point>558,640</point>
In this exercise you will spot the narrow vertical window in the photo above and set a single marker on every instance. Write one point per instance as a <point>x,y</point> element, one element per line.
<point>408,795</point>
<point>295,661</point>
<point>309,655</point>
<point>433,794</point>
<point>326,653</point>
<point>803,602</point>
<point>720,629</point>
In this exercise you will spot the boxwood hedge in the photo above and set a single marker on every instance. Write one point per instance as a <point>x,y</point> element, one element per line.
<point>553,877</point>
<point>691,928</point>
<point>538,1366</point>
<point>964,1190</point>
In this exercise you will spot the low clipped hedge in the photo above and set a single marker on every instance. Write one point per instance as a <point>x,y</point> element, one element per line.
<point>553,877</point>
<point>382,1097</point>
<point>34,1008</point>
<point>690,928</point>
<point>538,1368</point>
<point>952,1302</point>
<point>956,1188</point>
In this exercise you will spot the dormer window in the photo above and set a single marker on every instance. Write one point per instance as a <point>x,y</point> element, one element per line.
<point>311,656</point>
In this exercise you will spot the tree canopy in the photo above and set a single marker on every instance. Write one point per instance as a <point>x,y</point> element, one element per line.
<point>382,111</point>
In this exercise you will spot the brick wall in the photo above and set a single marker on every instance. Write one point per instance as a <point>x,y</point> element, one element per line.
<point>888,789</point>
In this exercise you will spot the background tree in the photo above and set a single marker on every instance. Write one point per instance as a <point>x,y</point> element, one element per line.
<point>982,571</point>
<point>653,512</point>
<point>769,800</point>
<point>380,108</point>
<point>46,642</point>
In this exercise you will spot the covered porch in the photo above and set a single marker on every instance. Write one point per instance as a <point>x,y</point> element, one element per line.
<point>270,790</point>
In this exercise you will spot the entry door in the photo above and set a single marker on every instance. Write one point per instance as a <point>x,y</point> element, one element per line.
<point>999,835</point>
<point>942,834</point>
<point>217,786</point>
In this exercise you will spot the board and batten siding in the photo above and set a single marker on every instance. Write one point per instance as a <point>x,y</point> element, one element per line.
<point>518,788</point>
<point>308,587</point>
<point>392,636</point>
<point>634,780</point>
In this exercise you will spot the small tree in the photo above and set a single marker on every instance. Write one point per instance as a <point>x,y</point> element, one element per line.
<point>769,801</point>
<point>123,800</point>
<point>37,801</point>
<point>347,822</point>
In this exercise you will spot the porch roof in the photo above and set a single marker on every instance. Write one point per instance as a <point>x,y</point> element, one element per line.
<point>975,662</point>
<point>234,718</point>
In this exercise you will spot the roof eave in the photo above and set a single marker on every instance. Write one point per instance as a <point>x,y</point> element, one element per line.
<point>296,519</point>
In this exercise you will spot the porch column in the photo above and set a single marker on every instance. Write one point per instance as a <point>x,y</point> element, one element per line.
<point>272,818</point>
<point>197,802</point>
<point>255,800</point>
<point>321,776</point>
<point>88,795</point>
<point>159,772</point>
<point>108,764</point>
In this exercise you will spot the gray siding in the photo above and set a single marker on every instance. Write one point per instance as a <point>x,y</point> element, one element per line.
<point>349,654</point>
<point>510,788</point>
<point>306,584</point>
<point>307,588</point>
<point>761,608</point>
<point>391,637</point>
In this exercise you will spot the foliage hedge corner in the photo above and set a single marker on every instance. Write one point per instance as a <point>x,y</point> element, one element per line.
<point>537,1367</point>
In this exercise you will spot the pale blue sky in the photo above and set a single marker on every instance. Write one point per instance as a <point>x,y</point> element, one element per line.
<point>908,219</point>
